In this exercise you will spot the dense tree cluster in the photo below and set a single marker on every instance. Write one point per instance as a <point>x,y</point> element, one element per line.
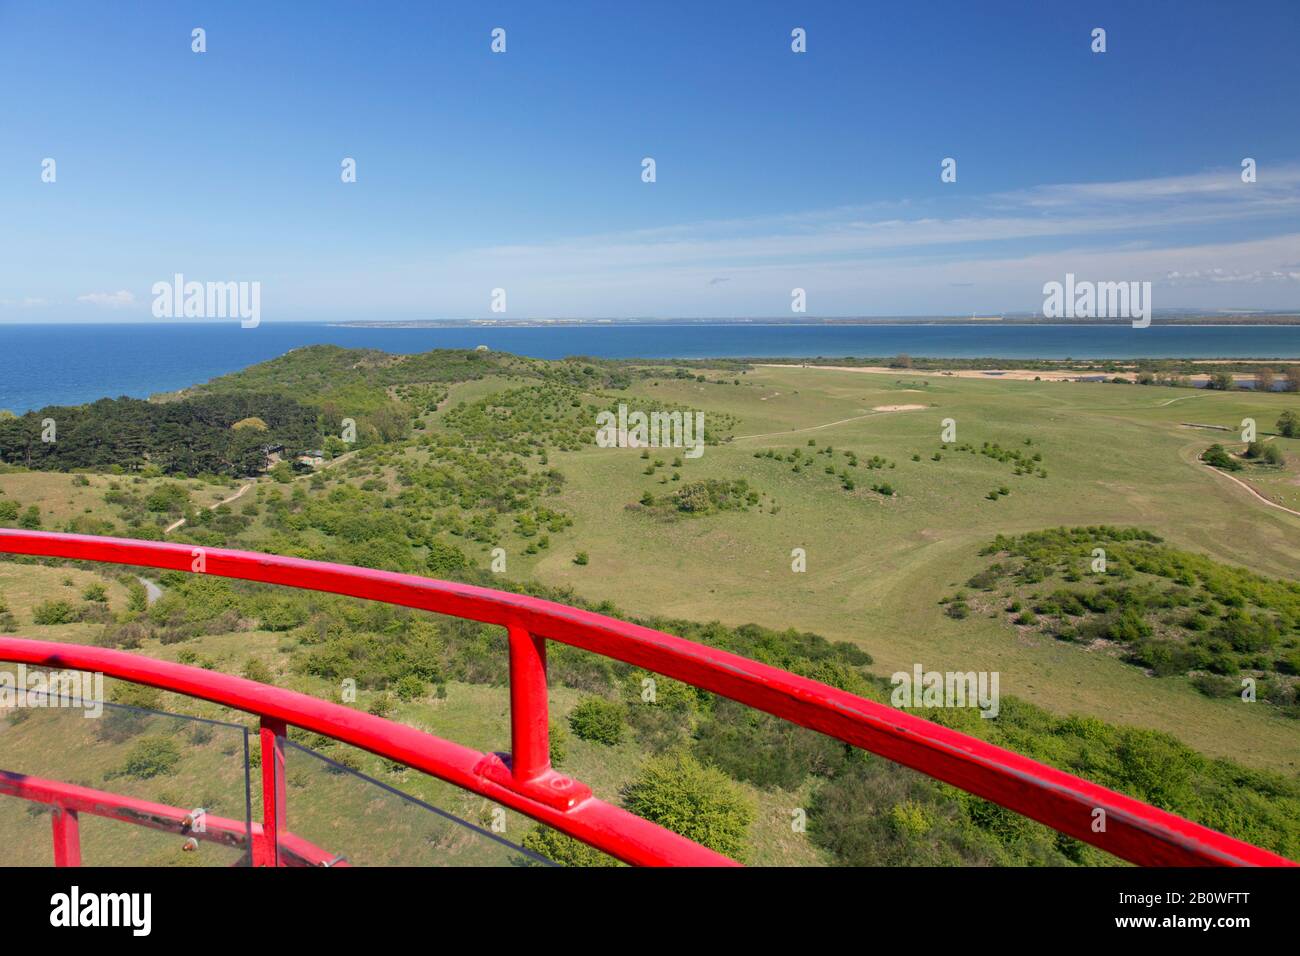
<point>192,436</point>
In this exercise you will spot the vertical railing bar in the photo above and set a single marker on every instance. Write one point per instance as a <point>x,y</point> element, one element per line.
<point>67,836</point>
<point>530,743</point>
<point>273,790</point>
<point>248,802</point>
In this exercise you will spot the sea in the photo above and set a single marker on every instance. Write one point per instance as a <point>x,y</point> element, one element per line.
<point>66,364</point>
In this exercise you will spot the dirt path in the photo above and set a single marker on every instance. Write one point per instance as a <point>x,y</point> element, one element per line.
<point>810,428</point>
<point>346,456</point>
<point>1194,460</point>
<point>152,591</point>
<point>225,501</point>
<point>1251,489</point>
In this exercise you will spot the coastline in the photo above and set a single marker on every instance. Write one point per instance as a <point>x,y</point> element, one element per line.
<point>1012,374</point>
<point>64,365</point>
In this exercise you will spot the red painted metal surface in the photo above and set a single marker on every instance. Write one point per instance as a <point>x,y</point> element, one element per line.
<point>69,800</point>
<point>530,745</point>
<point>1133,830</point>
<point>67,836</point>
<point>272,733</point>
<point>611,828</point>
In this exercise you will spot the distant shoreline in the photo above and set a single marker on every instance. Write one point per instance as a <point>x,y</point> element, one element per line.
<point>55,365</point>
<point>1010,373</point>
<point>1254,320</point>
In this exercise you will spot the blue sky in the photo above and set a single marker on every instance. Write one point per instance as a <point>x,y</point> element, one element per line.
<point>522,170</point>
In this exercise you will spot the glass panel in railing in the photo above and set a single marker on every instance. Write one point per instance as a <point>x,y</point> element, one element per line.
<point>338,813</point>
<point>148,788</point>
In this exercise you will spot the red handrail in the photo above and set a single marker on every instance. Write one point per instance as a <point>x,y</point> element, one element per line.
<point>1132,829</point>
<point>70,800</point>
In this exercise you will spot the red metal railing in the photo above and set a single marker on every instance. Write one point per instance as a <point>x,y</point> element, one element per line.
<point>69,801</point>
<point>525,781</point>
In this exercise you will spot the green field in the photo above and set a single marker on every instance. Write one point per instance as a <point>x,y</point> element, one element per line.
<point>486,469</point>
<point>876,567</point>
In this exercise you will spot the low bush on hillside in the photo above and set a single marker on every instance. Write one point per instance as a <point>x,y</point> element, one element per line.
<point>565,850</point>
<point>151,757</point>
<point>54,612</point>
<point>701,803</point>
<point>710,496</point>
<point>1169,611</point>
<point>598,720</point>
<point>1218,456</point>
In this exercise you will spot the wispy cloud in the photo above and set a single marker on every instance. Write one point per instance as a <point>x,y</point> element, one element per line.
<point>995,253</point>
<point>120,299</point>
<point>1118,212</point>
<point>1203,240</point>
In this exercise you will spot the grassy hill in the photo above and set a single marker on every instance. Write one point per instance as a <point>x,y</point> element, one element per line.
<point>470,452</point>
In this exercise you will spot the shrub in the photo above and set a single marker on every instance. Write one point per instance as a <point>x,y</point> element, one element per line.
<point>558,744</point>
<point>137,695</point>
<point>877,813</point>
<point>1215,685</point>
<point>764,750</point>
<point>701,803</point>
<point>598,719</point>
<point>170,498</point>
<point>1127,626</point>
<point>54,612</point>
<point>1288,424</point>
<point>711,495</point>
<point>564,850</point>
<point>255,669</point>
<point>151,757</point>
<point>410,687</point>
<point>1217,456</point>
<point>129,635</point>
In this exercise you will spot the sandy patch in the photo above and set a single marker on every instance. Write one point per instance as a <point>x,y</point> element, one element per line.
<point>1010,374</point>
<point>1004,374</point>
<point>897,408</point>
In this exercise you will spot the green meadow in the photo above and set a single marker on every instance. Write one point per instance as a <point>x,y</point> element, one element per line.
<point>840,506</point>
<point>877,567</point>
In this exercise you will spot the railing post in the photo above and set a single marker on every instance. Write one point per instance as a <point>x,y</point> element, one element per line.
<point>273,795</point>
<point>67,836</point>
<point>530,742</point>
